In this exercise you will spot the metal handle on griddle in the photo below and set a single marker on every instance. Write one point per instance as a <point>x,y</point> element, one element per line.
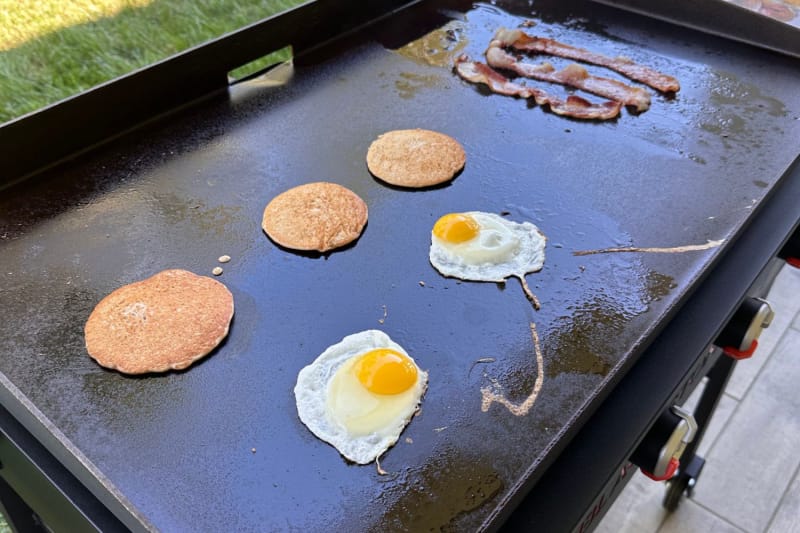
<point>739,338</point>
<point>658,455</point>
<point>720,18</point>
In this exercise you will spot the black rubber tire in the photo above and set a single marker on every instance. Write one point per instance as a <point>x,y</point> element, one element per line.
<point>676,488</point>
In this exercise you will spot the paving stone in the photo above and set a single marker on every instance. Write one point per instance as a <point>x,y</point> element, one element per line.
<point>785,300</point>
<point>691,517</point>
<point>725,408</point>
<point>746,444</point>
<point>637,509</point>
<point>787,518</point>
<point>755,457</point>
<point>719,418</point>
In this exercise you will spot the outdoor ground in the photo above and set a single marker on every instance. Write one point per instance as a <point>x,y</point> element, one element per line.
<point>52,49</point>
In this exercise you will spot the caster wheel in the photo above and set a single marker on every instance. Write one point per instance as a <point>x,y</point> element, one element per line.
<point>676,487</point>
<point>683,483</point>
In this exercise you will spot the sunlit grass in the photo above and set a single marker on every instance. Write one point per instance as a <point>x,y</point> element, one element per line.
<point>53,59</point>
<point>24,20</point>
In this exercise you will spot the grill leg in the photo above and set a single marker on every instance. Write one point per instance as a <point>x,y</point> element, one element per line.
<point>686,478</point>
<point>19,516</point>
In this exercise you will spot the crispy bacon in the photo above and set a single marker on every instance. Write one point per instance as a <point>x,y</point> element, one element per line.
<point>479,73</point>
<point>523,42</point>
<point>573,106</point>
<point>573,75</point>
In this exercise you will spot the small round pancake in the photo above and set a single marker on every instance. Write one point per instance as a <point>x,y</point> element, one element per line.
<point>165,322</point>
<point>415,158</point>
<point>316,216</point>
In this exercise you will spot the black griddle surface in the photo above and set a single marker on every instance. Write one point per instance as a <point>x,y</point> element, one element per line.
<point>219,446</point>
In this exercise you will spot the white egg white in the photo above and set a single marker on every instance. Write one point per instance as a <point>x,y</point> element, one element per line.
<point>318,410</point>
<point>502,249</point>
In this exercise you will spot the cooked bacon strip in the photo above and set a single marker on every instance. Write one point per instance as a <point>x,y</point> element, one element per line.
<point>573,75</point>
<point>573,106</point>
<point>479,73</point>
<point>520,40</point>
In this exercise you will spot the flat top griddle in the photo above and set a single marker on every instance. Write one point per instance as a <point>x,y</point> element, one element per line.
<point>220,447</point>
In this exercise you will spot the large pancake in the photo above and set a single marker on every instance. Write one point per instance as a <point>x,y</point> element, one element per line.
<point>316,216</point>
<point>415,158</point>
<point>165,322</point>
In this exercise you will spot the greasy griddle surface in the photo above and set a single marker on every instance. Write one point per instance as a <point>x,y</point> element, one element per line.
<point>219,447</point>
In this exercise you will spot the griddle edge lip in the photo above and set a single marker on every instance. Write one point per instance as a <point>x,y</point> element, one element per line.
<point>726,265</point>
<point>70,456</point>
<point>90,512</point>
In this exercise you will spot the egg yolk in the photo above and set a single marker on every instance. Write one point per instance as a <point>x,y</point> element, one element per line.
<point>456,227</point>
<point>385,371</point>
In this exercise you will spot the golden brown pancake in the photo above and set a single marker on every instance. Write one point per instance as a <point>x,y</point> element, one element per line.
<point>165,322</point>
<point>316,216</point>
<point>415,158</point>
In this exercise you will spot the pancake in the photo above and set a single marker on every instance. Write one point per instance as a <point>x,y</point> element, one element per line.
<point>165,322</point>
<point>317,216</point>
<point>415,158</point>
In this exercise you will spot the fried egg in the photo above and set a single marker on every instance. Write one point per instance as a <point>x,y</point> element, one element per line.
<point>480,246</point>
<point>360,394</point>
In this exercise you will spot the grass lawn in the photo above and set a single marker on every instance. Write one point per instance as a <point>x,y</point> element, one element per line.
<point>52,49</point>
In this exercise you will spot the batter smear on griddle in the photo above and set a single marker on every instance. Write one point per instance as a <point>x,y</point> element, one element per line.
<point>674,250</point>
<point>494,394</point>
